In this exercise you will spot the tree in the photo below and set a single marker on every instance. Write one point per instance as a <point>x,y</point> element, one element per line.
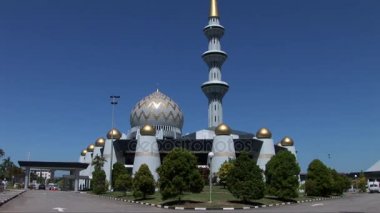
<point>118,169</point>
<point>362,182</point>
<point>98,161</point>
<point>98,182</point>
<point>123,182</point>
<point>2,153</point>
<point>224,171</point>
<point>143,182</point>
<point>282,175</point>
<point>178,174</point>
<point>6,168</point>
<point>318,179</point>
<point>10,171</point>
<point>340,183</point>
<point>245,180</point>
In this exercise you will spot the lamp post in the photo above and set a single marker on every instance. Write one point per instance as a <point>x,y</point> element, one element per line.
<point>210,156</point>
<point>114,101</point>
<point>356,182</point>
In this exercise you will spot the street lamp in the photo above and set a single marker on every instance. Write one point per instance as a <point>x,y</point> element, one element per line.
<point>114,101</point>
<point>356,182</point>
<point>210,156</point>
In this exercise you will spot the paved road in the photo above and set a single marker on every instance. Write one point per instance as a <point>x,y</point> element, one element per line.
<point>51,201</point>
<point>349,204</point>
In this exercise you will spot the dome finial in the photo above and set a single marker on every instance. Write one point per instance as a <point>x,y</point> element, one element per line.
<point>214,12</point>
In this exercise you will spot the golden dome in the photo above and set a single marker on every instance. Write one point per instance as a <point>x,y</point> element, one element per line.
<point>223,129</point>
<point>148,130</point>
<point>100,142</point>
<point>90,148</point>
<point>114,134</point>
<point>287,141</point>
<point>84,152</point>
<point>263,133</point>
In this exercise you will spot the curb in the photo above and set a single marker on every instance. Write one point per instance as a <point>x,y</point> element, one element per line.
<point>2,202</point>
<point>223,209</point>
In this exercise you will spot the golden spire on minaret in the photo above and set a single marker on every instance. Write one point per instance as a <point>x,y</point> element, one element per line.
<point>214,9</point>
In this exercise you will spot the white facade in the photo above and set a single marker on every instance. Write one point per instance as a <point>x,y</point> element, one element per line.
<point>224,151</point>
<point>266,153</point>
<point>43,174</point>
<point>147,153</point>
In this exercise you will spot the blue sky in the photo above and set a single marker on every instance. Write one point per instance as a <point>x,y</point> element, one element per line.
<point>307,69</point>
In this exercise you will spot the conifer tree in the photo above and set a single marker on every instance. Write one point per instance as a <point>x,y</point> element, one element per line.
<point>178,174</point>
<point>245,180</point>
<point>282,175</point>
<point>318,179</point>
<point>143,182</point>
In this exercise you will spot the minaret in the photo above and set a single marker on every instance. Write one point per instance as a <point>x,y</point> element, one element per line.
<point>214,88</point>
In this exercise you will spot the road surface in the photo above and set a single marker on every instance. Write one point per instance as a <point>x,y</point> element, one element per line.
<point>57,201</point>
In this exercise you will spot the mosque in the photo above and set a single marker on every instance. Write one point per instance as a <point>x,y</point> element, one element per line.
<point>156,126</point>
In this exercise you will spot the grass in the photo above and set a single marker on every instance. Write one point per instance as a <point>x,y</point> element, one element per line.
<point>220,198</point>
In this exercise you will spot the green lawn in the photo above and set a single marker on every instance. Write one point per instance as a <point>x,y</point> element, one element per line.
<point>220,198</point>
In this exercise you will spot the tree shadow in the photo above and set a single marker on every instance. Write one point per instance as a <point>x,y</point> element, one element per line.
<point>285,200</point>
<point>180,202</point>
<point>251,203</point>
<point>144,199</point>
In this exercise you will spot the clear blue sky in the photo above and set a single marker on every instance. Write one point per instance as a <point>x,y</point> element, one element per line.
<point>308,69</point>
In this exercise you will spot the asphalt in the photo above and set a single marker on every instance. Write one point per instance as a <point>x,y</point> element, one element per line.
<point>57,201</point>
<point>61,201</point>
<point>8,195</point>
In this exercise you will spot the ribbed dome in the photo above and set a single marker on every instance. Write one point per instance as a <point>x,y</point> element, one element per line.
<point>157,109</point>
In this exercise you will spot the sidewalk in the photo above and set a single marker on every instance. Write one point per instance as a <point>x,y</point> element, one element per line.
<point>8,195</point>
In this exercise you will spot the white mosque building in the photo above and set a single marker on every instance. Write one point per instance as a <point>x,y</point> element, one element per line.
<point>156,126</point>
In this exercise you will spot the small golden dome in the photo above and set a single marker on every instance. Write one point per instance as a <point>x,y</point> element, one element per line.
<point>90,148</point>
<point>223,129</point>
<point>287,141</point>
<point>100,142</point>
<point>114,134</point>
<point>84,152</point>
<point>263,133</point>
<point>148,130</point>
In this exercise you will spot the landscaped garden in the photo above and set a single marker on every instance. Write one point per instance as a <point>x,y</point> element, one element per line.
<point>221,197</point>
<point>240,183</point>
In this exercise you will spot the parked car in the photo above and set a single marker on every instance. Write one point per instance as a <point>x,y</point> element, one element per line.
<point>374,187</point>
<point>53,187</point>
<point>41,187</point>
<point>32,186</point>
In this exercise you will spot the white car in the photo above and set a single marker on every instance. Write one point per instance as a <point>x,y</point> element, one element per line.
<point>373,187</point>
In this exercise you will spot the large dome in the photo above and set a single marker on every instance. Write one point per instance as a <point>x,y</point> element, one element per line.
<point>157,110</point>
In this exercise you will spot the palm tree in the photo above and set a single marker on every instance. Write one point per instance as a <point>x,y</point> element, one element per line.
<point>2,153</point>
<point>98,161</point>
<point>6,168</point>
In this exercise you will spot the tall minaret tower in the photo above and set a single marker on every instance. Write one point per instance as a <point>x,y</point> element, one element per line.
<point>214,88</point>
